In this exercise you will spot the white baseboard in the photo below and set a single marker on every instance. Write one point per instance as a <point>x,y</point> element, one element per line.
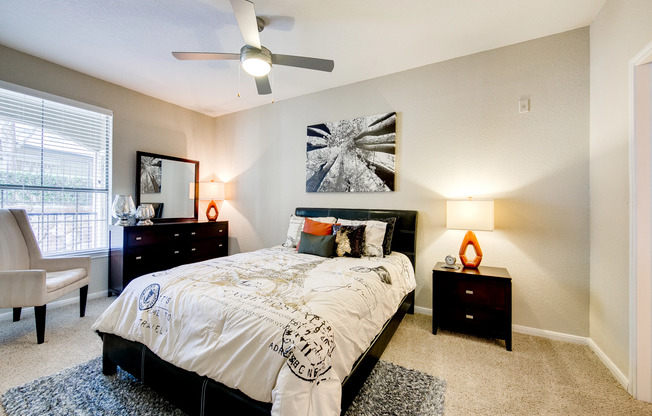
<point>422,310</point>
<point>624,381</point>
<point>559,336</point>
<point>8,316</point>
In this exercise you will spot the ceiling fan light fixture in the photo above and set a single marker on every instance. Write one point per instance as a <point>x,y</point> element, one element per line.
<point>256,62</point>
<point>256,67</point>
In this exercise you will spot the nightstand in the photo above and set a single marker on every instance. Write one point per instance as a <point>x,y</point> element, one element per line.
<point>473,300</point>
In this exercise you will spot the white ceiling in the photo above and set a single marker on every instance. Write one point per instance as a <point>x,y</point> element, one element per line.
<point>129,42</point>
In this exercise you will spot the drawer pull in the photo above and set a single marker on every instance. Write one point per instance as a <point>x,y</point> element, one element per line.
<point>220,245</point>
<point>469,292</point>
<point>138,257</point>
<point>176,234</point>
<point>469,316</point>
<point>139,238</point>
<point>221,231</point>
<point>176,251</point>
<point>193,249</point>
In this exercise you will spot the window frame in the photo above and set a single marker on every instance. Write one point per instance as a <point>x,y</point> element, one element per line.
<point>96,251</point>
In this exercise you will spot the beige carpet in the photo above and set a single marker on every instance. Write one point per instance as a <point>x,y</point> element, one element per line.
<point>540,377</point>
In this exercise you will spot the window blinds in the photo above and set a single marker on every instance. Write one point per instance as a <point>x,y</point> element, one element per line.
<point>55,163</point>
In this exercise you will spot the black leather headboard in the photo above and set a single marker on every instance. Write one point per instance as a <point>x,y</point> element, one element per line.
<point>405,230</point>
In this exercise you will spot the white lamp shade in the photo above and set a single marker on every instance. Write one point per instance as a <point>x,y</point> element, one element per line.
<point>211,191</point>
<point>475,215</point>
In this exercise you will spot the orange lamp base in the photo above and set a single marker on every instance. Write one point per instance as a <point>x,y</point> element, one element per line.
<point>212,206</point>
<point>470,240</point>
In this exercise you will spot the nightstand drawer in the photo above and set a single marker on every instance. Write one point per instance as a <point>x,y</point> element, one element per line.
<point>469,317</point>
<point>483,293</point>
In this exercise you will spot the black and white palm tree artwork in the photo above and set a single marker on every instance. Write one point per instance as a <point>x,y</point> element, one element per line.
<point>150,175</point>
<point>354,155</point>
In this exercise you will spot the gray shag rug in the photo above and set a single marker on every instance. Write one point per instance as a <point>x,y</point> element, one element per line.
<point>84,390</point>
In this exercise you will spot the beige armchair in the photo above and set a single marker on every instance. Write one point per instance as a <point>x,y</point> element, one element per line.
<point>28,279</point>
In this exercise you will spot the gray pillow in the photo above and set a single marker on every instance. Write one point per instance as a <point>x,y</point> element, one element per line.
<point>320,245</point>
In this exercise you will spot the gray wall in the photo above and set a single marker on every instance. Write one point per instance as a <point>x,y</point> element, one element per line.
<point>139,123</point>
<point>459,134</point>
<point>618,34</point>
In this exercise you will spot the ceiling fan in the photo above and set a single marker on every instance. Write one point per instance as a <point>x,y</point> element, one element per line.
<point>256,59</point>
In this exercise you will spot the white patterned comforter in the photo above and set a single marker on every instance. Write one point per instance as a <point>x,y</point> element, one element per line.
<point>280,326</point>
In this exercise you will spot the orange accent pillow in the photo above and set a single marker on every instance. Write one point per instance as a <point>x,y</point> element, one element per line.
<point>315,228</point>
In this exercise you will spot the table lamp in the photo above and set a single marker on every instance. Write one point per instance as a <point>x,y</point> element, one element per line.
<point>471,215</point>
<point>211,191</point>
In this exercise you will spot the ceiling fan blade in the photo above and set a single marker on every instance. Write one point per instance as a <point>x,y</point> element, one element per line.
<point>206,56</point>
<point>262,85</point>
<point>326,65</point>
<point>245,14</point>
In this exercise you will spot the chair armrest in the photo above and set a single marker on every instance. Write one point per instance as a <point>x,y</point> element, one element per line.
<point>56,264</point>
<point>22,288</point>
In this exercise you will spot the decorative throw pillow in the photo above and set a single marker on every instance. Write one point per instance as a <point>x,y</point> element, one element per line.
<point>374,235</point>
<point>320,245</point>
<point>296,226</point>
<point>389,233</point>
<point>349,240</point>
<point>315,228</point>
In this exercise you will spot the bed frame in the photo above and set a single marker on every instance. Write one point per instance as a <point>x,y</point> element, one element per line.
<point>200,395</point>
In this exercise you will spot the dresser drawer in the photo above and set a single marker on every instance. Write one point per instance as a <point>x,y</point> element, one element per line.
<point>217,230</point>
<point>478,292</point>
<point>207,249</point>
<point>145,236</point>
<point>140,261</point>
<point>141,237</point>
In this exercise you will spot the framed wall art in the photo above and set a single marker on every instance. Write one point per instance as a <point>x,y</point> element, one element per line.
<point>355,155</point>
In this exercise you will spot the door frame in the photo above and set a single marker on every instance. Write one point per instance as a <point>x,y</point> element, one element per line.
<point>640,271</point>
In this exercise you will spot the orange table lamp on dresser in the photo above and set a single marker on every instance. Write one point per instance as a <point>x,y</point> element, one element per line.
<point>211,191</point>
<point>471,215</point>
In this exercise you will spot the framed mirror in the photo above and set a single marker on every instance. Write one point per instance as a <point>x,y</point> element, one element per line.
<point>170,184</point>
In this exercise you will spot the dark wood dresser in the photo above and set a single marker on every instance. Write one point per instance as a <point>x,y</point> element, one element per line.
<point>138,250</point>
<point>473,300</point>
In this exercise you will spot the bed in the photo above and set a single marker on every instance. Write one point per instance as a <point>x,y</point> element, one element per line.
<point>187,381</point>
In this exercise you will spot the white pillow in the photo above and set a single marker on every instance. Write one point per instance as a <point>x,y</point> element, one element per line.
<point>296,226</point>
<point>374,235</point>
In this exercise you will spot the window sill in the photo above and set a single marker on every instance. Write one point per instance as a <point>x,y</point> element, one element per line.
<point>94,254</point>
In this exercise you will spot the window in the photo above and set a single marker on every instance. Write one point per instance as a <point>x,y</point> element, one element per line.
<point>54,163</point>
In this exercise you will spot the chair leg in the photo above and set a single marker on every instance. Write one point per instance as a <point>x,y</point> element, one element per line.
<point>83,295</point>
<point>39,313</point>
<point>17,314</point>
